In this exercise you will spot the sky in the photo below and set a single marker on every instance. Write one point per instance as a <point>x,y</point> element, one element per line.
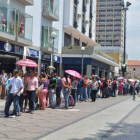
<point>133,30</point>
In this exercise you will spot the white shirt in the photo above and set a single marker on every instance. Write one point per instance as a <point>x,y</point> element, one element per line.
<point>4,78</point>
<point>16,84</point>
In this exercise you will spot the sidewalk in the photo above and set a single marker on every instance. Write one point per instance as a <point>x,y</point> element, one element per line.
<point>45,122</point>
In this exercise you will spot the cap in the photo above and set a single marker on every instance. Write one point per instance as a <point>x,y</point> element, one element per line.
<point>15,71</point>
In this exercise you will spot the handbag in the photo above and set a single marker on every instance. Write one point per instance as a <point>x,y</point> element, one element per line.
<point>40,88</point>
<point>99,94</point>
<point>61,94</point>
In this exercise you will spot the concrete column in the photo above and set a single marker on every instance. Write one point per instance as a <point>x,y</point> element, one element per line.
<point>88,70</point>
<point>80,43</point>
<point>97,71</point>
<point>103,73</point>
<point>72,40</point>
<point>24,57</point>
<point>39,63</point>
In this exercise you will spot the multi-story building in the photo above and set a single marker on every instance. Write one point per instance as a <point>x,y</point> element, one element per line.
<point>109,23</point>
<point>26,32</point>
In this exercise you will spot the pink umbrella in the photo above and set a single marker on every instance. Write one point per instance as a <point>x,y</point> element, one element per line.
<point>131,80</point>
<point>73,73</point>
<point>120,78</point>
<point>27,63</point>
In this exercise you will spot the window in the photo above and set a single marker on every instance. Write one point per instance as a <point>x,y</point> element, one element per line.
<point>102,0</point>
<point>101,41</point>
<point>108,36</point>
<point>117,25</point>
<point>84,44</point>
<point>101,15</point>
<point>110,0</point>
<point>110,10</point>
<point>101,25</point>
<point>101,20</point>
<point>117,30</point>
<point>117,5</point>
<point>84,6</point>
<point>117,15</point>
<point>76,42</point>
<point>117,36</point>
<point>117,10</point>
<point>110,20</point>
<point>109,30</point>
<point>109,41</point>
<point>90,28</point>
<point>102,11</point>
<point>109,5</point>
<point>116,41</point>
<point>117,20</point>
<point>90,15</point>
<point>101,30</point>
<point>67,39</point>
<point>109,15</point>
<point>102,6</point>
<point>109,25</point>
<point>83,20</point>
<point>75,16</point>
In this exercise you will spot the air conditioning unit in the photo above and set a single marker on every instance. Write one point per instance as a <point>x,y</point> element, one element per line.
<point>87,1</point>
<point>79,16</point>
<point>87,22</point>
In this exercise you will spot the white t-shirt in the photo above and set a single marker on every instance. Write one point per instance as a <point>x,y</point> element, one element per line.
<point>16,84</point>
<point>73,84</point>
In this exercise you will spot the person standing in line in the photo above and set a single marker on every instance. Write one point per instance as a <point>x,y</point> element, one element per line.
<point>58,91</point>
<point>8,82</point>
<point>105,88</point>
<point>32,86</point>
<point>99,86</point>
<point>114,87</point>
<point>94,88</point>
<point>125,88</point>
<point>0,86</point>
<point>85,88</point>
<point>120,87</point>
<point>52,90</point>
<point>4,82</point>
<point>81,82</point>
<point>16,86</point>
<point>66,85</point>
<point>88,88</point>
<point>74,89</point>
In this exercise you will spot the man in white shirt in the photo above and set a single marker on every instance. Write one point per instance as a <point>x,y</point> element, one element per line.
<point>4,82</point>
<point>16,86</point>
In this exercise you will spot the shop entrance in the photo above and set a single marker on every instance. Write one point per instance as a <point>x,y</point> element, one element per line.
<point>7,63</point>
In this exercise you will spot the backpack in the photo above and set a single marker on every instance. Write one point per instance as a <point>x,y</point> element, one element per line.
<point>114,85</point>
<point>71,101</point>
<point>125,86</point>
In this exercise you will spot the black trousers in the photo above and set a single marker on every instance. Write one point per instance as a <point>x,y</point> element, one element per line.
<point>93,95</point>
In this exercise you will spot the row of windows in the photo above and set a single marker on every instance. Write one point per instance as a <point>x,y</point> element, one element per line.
<point>109,41</point>
<point>108,0</point>
<point>111,15</point>
<point>117,30</point>
<point>116,5</point>
<point>67,41</point>
<point>110,10</point>
<point>110,20</point>
<point>107,36</point>
<point>110,25</point>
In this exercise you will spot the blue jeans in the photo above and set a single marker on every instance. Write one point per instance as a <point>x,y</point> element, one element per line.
<point>88,92</point>
<point>66,93</point>
<point>114,92</point>
<point>124,91</point>
<point>85,93</point>
<point>74,95</point>
<point>31,97</point>
<point>15,100</point>
<point>81,93</point>
<point>52,98</point>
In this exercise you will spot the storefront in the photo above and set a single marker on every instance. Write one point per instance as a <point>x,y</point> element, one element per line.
<point>45,61</point>
<point>9,55</point>
<point>32,55</point>
<point>57,60</point>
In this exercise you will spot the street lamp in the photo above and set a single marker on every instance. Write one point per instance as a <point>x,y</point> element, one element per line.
<point>82,49</point>
<point>53,36</point>
<point>125,8</point>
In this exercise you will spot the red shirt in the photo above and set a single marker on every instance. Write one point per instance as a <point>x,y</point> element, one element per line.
<point>85,85</point>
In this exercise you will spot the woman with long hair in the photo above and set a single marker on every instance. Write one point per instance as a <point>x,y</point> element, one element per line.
<point>66,85</point>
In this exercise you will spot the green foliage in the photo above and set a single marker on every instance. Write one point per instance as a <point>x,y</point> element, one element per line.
<point>86,47</point>
<point>77,47</point>
<point>70,46</point>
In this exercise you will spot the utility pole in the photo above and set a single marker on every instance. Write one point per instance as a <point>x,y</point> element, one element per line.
<point>124,8</point>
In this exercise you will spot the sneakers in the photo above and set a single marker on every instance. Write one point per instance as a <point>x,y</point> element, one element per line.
<point>5,116</point>
<point>32,112</point>
<point>13,116</point>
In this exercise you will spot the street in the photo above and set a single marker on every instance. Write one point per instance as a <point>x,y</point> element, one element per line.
<point>106,119</point>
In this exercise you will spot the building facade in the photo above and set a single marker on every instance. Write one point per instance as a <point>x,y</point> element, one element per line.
<point>133,69</point>
<point>109,23</point>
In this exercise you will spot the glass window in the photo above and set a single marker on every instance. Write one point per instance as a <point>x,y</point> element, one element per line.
<point>76,42</point>
<point>84,44</point>
<point>67,39</point>
<point>83,20</point>
<point>75,13</point>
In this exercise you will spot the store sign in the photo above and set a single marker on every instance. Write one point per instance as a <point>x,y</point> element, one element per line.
<point>11,48</point>
<point>46,56</point>
<point>56,59</point>
<point>32,53</point>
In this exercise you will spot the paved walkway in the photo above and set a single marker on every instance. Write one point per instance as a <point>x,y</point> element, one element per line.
<point>86,121</point>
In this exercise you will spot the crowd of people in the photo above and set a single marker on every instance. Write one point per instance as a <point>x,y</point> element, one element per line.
<point>29,91</point>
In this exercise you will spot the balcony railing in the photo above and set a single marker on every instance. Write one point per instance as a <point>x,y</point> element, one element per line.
<point>46,37</point>
<point>16,24</point>
<point>51,9</point>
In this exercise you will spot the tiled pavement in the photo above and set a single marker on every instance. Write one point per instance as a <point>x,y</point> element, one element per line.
<point>42,123</point>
